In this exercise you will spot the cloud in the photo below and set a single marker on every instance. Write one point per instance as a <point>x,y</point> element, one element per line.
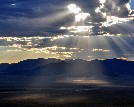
<point>71,47</point>
<point>66,47</point>
<point>105,17</point>
<point>119,8</point>
<point>45,17</point>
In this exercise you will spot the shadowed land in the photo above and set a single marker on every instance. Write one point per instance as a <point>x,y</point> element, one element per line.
<point>69,97</point>
<point>69,83</point>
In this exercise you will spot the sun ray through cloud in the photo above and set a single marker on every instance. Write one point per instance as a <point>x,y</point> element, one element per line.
<point>89,30</point>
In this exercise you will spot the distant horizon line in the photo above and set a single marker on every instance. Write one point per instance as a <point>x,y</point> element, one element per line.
<point>123,59</point>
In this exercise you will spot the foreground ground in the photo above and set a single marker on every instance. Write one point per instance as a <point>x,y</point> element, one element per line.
<point>67,97</point>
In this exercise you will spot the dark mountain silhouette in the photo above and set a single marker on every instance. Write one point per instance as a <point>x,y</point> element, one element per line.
<point>40,72</point>
<point>27,64</point>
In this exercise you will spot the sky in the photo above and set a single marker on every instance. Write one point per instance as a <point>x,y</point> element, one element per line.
<point>66,29</point>
<point>132,4</point>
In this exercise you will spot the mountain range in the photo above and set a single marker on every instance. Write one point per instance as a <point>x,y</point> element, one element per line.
<point>43,72</point>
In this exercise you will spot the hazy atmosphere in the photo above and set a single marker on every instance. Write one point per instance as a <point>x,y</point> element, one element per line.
<point>72,29</point>
<point>66,53</point>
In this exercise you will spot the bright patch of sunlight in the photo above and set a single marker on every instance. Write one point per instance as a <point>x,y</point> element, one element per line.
<point>74,9</point>
<point>81,16</point>
<point>102,1</point>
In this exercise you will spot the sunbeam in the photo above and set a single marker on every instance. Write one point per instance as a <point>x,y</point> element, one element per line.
<point>100,19</point>
<point>82,38</point>
<point>66,53</point>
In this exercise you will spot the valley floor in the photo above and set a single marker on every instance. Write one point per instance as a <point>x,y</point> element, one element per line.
<point>67,97</point>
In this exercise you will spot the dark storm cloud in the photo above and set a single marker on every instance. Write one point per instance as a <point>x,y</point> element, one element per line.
<point>117,7</point>
<point>113,9</point>
<point>27,8</point>
<point>26,17</point>
<point>42,17</point>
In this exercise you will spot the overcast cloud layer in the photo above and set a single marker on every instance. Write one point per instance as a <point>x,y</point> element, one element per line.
<point>45,17</point>
<point>99,29</point>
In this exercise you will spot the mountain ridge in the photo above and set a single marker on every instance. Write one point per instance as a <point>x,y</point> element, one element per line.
<point>49,71</point>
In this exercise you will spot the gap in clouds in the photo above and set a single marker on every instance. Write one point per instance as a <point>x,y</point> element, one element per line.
<point>104,29</point>
<point>15,49</point>
<point>48,17</point>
